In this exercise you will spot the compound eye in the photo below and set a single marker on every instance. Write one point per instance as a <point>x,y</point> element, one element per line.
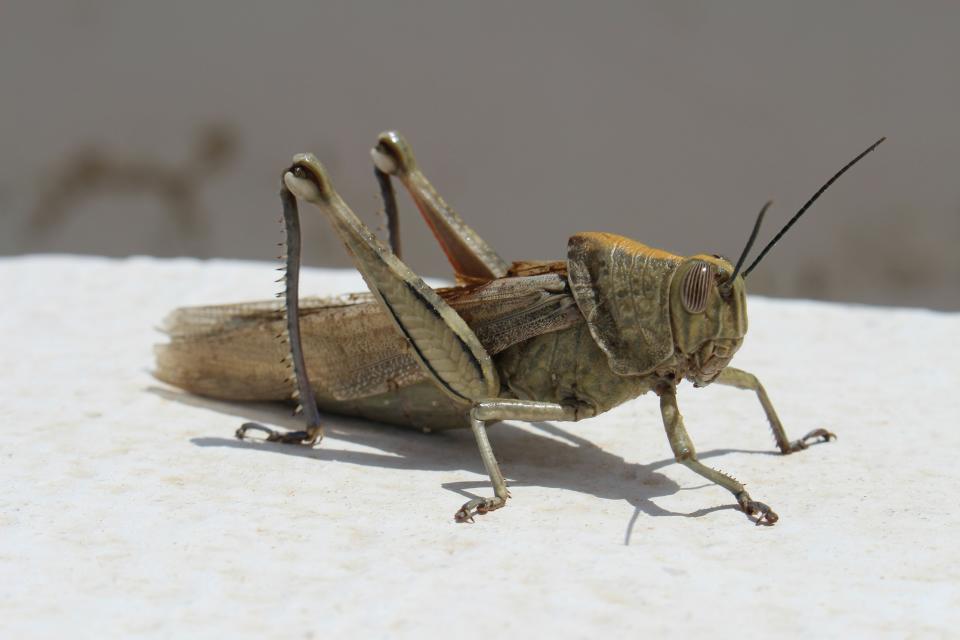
<point>695,288</point>
<point>299,172</point>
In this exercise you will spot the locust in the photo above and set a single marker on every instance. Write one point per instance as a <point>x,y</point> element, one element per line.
<point>530,341</point>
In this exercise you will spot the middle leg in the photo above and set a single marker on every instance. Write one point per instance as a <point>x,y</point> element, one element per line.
<point>503,409</point>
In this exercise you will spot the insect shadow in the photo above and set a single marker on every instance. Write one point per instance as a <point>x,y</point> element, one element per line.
<point>545,456</point>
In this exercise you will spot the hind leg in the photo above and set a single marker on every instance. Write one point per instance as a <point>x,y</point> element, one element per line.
<point>302,391</point>
<point>472,259</point>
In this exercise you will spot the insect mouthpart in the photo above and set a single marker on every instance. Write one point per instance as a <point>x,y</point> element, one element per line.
<point>712,358</point>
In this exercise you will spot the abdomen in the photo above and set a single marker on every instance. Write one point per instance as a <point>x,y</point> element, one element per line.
<point>357,363</point>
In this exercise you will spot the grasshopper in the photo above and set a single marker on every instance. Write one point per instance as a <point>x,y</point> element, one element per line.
<point>563,340</point>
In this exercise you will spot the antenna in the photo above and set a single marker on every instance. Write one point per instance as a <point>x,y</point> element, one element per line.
<point>809,202</point>
<point>743,255</point>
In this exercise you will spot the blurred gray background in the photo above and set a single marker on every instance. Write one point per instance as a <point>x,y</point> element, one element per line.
<point>161,128</point>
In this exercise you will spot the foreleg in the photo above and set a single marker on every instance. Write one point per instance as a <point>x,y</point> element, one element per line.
<point>742,380</point>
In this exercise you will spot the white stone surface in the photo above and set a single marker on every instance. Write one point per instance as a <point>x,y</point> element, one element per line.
<point>127,508</point>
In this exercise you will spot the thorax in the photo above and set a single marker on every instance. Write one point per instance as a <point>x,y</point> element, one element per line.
<point>567,367</point>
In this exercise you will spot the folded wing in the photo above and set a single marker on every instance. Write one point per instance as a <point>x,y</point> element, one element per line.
<point>351,346</point>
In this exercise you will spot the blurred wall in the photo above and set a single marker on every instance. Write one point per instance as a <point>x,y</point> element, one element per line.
<point>161,128</point>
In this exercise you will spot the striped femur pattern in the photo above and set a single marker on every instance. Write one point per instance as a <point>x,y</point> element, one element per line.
<point>696,285</point>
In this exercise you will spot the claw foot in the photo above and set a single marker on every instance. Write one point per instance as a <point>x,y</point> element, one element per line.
<point>817,435</point>
<point>765,515</point>
<point>307,438</point>
<point>478,507</point>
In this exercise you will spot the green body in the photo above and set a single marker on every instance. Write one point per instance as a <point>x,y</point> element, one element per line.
<point>358,366</point>
<point>533,341</point>
<point>565,367</point>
